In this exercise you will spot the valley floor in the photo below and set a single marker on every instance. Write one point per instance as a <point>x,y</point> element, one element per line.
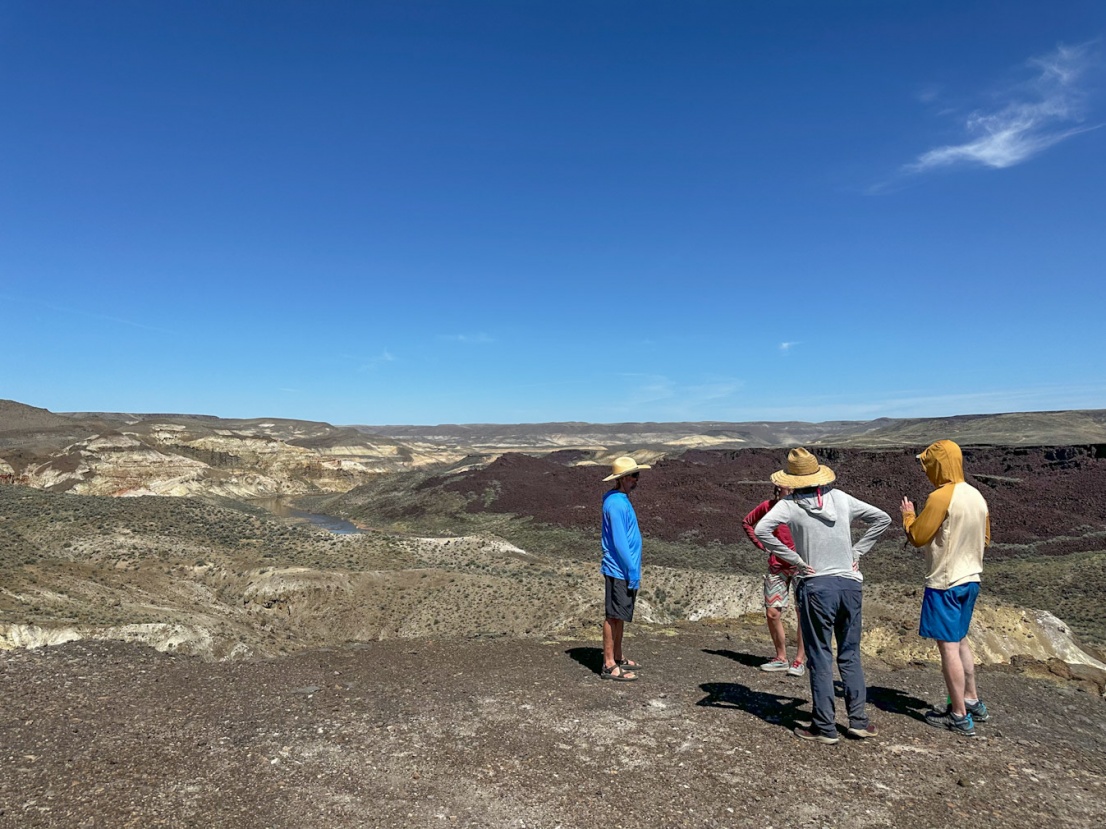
<point>521,733</point>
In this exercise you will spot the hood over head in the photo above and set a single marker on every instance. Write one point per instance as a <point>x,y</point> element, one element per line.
<point>943,462</point>
<point>817,502</point>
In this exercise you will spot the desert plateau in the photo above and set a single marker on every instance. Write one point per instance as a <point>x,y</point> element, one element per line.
<point>175,651</point>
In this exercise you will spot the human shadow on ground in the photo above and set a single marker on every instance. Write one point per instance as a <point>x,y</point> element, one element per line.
<point>775,709</point>
<point>747,659</point>
<point>896,702</point>
<point>590,658</point>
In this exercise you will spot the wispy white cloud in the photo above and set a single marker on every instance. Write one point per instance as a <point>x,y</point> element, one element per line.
<point>929,94</point>
<point>786,347</point>
<point>1036,115</point>
<point>906,404</point>
<point>467,338</point>
<point>87,314</point>
<point>646,389</point>
<point>375,362</point>
<point>667,399</point>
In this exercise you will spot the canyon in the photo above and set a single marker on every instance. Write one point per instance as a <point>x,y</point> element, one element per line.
<point>173,653</point>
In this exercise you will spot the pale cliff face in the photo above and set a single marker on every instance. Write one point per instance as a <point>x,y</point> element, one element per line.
<point>175,460</point>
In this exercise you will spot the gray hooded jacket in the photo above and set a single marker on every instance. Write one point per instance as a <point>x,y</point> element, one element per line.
<point>821,527</point>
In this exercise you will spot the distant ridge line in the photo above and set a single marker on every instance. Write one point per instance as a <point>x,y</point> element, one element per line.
<point>1043,428</point>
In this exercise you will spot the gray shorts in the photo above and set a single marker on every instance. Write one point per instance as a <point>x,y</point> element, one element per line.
<point>620,599</point>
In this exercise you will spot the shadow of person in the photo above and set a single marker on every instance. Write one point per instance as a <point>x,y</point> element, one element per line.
<point>590,658</point>
<point>747,659</point>
<point>896,702</point>
<point>776,709</point>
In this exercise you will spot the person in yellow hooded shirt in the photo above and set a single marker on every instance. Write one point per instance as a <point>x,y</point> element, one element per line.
<point>952,529</point>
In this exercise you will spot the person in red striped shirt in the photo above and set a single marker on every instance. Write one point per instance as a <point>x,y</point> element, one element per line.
<point>777,590</point>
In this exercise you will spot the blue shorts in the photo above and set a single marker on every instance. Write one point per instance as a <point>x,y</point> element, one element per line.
<point>946,614</point>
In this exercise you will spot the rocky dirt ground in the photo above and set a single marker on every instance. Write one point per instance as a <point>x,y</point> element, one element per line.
<point>521,733</point>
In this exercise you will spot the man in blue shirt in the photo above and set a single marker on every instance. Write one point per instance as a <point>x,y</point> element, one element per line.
<point>621,567</point>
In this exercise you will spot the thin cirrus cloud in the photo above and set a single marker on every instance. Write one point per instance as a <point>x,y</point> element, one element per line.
<point>672,400</point>
<point>785,348</point>
<point>1037,115</point>
<point>467,338</point>
<point>919,403</point>
<point>85,313</point>
<point>377,361</point>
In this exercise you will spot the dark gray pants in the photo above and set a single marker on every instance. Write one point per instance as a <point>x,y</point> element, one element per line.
<point>829,608</point>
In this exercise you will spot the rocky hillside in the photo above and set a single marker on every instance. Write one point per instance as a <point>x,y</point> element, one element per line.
<point>183,455</point>
<point>1051,556</point>
<point>178,454</point>
<point>1018,428</point>
<point>1051,499</point>
<point>190,577</point>
<point>439,668</point>
<point>455,537</point>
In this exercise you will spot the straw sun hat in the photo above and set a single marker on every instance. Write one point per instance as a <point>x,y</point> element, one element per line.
<point>803,470</point>
<point>624,466</point>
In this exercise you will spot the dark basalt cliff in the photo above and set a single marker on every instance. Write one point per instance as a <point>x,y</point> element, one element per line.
<point>1053,498</point>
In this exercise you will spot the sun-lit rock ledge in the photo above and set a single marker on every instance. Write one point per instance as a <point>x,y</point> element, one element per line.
<point>328,608</point>
<point>167,638</point>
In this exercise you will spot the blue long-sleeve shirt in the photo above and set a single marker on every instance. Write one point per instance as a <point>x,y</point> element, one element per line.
<point>621,539</point>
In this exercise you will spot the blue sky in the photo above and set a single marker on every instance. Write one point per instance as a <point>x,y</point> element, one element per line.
<point>427,212</point>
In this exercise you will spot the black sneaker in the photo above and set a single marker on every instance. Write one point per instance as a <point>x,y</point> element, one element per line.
<point>978,710</point>
<point>962,726</point>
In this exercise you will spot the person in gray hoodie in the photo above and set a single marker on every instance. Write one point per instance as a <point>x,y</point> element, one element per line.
<point>828,591</point>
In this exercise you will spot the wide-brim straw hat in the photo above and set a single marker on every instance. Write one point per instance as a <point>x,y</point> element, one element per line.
<point>803,470</point>
<point>624,466</point>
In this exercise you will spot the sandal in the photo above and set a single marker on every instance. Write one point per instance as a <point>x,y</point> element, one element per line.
<point>628,664</point>
<point>621,676</point>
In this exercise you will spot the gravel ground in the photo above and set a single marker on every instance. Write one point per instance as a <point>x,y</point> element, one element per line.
<point>521,733</point>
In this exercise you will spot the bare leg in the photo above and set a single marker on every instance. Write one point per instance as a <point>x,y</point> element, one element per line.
<point>776,631</point>
<point>967,661</point>
<point>612,642</point>
<point>953,669</point>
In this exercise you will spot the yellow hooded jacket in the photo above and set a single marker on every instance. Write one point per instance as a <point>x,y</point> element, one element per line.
<point>955,525</point>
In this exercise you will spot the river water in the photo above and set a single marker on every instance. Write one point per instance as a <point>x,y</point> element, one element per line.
<point>281,508</point>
